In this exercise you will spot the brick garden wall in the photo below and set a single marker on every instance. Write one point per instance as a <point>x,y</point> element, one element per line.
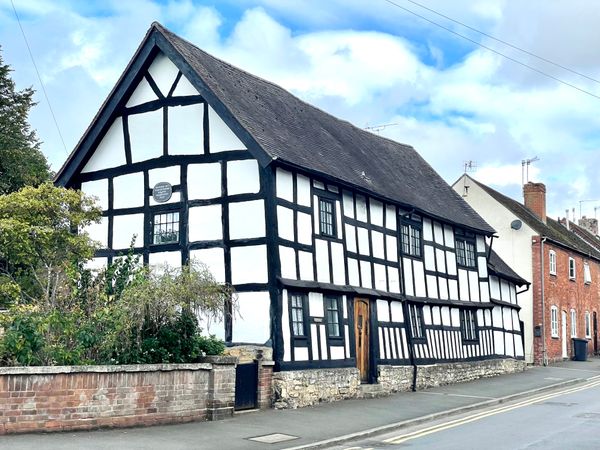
<point>88,397</point>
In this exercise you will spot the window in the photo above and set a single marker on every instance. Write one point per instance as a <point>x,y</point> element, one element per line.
<point>573,323</point>
<point>326,217</point>
<point>554,321</point>
<point>411,239</point>
<point>165,228</point>
<point>588,327</point>
<point>297,302</point>
<point>587,275</point>
<point>468,325</point>
<point>571,268</point>
<point>552,262</point>
<point>416,321</point>
<point>465,248</point>
<point>332,314</point>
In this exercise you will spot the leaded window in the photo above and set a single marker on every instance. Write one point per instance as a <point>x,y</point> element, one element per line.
<point>416,321</point>
<point>411,240</point>
<point>326,217</point>
<point>468,325</point>
<point>332,312</point>
<point>297,311</point>
<point>465,249</point>
<point>165,228</point>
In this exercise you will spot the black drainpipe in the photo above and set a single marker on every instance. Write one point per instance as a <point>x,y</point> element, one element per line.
<point>405,311</point>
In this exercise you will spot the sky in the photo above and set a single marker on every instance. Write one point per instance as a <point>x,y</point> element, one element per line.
<point>369,62</point>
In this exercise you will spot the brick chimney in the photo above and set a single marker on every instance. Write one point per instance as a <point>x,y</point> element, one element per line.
<point>590,224</point>
<point>535,199</point>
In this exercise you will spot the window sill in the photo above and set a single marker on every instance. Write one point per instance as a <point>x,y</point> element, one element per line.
<point>552,273</point>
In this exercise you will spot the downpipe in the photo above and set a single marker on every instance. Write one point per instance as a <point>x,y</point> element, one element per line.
<point>544,350</point>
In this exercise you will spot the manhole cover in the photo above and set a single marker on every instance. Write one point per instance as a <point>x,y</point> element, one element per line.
<point>273,438</point>
<point>588,416</point>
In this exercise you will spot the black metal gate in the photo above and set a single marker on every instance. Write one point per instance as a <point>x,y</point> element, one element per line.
<point>246,385</point>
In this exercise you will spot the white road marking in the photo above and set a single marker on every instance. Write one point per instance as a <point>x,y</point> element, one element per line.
<point>457,395</point>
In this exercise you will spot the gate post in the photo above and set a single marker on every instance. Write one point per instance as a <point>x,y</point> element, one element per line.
<point>265,383</point>
<point>221,388</point>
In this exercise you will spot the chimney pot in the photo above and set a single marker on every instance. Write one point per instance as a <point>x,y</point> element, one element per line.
<point>534,195</point>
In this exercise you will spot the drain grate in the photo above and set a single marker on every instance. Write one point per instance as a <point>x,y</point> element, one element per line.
<point>273,438</point>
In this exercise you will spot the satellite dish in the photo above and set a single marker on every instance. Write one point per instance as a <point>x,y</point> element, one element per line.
<point>516,224</point>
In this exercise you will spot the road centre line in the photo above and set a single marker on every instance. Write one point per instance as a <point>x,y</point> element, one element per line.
<point>474,417</point>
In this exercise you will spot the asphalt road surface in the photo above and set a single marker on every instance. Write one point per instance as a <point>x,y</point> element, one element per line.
<point>566,419</point>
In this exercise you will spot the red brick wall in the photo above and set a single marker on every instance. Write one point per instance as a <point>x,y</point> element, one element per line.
<point>265,384</point>
<point>87,397</point>
<point>565,294</point>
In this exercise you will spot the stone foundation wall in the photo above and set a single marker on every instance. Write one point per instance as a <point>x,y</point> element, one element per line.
<point>399,378</point>
<point>86,397</point>
<point>299,388</point>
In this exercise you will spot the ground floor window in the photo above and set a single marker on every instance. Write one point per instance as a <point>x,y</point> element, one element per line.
<point>165,228</point>
<point>297,308</point>
<point>333,312</point>
<point>554,321</point>
<point>468,325</point>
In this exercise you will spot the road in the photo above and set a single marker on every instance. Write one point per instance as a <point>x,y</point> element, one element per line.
<point>565,419</point>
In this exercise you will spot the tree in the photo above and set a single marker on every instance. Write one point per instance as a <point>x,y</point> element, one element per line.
<point>39,248</point>
<point>21,161</point>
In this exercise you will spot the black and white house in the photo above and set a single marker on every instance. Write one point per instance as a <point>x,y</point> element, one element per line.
<point>347,249</point>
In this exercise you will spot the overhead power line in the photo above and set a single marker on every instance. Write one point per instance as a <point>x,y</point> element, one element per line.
<point>510,58</point>
<point>39,77</point>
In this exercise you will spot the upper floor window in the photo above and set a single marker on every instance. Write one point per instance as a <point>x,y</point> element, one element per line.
<point>465,248</point>
<point>571,268</point>
<point>587,275</point>
<point>554,321</point>
<point>297,308</point>
<point>573,323</point>
<point>332,314</point>
<point>588,325</point>
<point>165,228</point>
<point>468,325</point>
<point>552,262</point>
<point>327,217</point>
<point>416,321</point>
<point>411,230</point>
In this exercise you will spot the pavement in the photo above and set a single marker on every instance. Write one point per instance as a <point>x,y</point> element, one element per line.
<point>326,424</point>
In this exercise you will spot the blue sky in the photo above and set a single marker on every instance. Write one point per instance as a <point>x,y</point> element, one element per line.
<point>367,62</point>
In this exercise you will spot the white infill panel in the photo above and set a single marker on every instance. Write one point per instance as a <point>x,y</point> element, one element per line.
<point>361,208</point>
<point>163,72</point>
<point>146,135</point>
<point>391,248</point>
<point>98,189</point>
<point>380,331</point>
<point>315,304</point>
<point>463,284</point>
<point>287,257</point>
<point>419,274</point>
<point>125,228</point>
<point>435,315</point>
<point>305,260</point>
<point>96,264</point>
<point>285,223</point>
<point>440,258</point>
<point>221,138</point>
<point>427,231</point>
<point>383,311</point>
<point>507,316</point>
<point>184,88</point>
<point>453,289</point>
<point>337,261</point>
<point>455,315</point>
<point>487,315</point>
<point>451,263</point>
<point>408,276</point>
<point>247,219</point>
<point>350,238</point>
<point>497,317</point>
<point>314,341</point>
<point>494,288</point>
<point>376,212</point>
<point>143,94</point>
<point>499,342</point>
<point>348,201</point>
<point>300,353</point>
<point>204,223</point>
<point>353,276</point>
<point>474,285</point>
<point>304,228</point>
<point>505,290</point>
<point>284,185</point>
<point>363,241</point>
<point>390,217</point>
<point>480,244</point>
<point>170,175</point>
<point>303,190</point>
<point>285,327</point>
<point>485,291</point>
<point>110,152</point>
<point>214,260</point>
<point>158,260</point>
<point>448,236</point>
<point>482,266</point>
<point>429,257</point>
<point>509,344</point>
<point>443,288</point>
<point>128,190</point>
<point>251,324</point>
<point>377,242</point>
<point>322,258</point>
<point>438,234</point>
<point>98,232</point>
<point>380,277</point>
<point>396,309</point>
<point>186,131</point>
<point>243,177</point>
<point>338,218</point>
<point>204,181</point>
<point>446,316</point>
<point>249,264</point>
<point>432,286</point>
<point>337,352</point>
<point>393,279</point>
<point>427,315</point>
<point>365,273</point>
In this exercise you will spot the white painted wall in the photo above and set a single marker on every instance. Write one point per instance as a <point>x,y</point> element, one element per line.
<point>185,130</point>
<point>110,152</point>
<point>251,323</point>
<point>243,177</point>
<point>98,189</point>
<point>146,135</point>
<point>204,181</point>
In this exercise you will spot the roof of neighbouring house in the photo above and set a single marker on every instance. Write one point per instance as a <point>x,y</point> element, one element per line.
<point>277,126</point>
<point>552,229</point>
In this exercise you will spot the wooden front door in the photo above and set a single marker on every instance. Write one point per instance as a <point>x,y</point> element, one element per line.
<point>361,333</point>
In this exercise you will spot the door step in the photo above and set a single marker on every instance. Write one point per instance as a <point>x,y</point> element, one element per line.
<point>371,391</point>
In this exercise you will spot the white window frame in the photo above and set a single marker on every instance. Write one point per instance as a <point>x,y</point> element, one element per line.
<point>573,323</point>
<point>572,269</point>
<point>588,325</point>
<point>554,321</point>
<point>587,274</point>
<point>552,262</point>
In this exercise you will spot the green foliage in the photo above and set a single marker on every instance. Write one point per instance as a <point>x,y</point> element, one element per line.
<point>38,245</point>
<point>21,161</point>
<point>126,314</point>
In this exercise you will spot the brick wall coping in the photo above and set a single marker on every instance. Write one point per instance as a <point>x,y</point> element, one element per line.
<point>208,363</point>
